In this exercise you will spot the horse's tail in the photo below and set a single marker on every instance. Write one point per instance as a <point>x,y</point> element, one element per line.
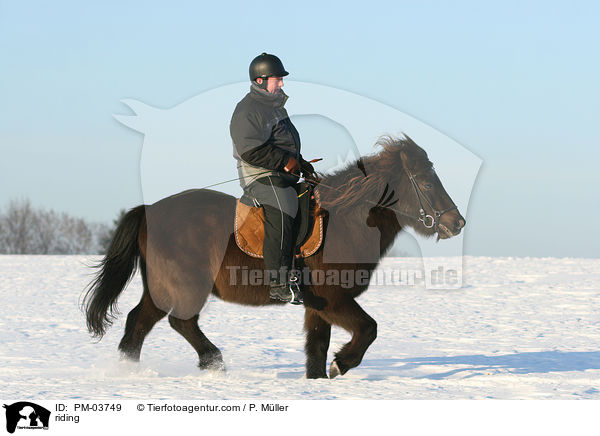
<point>116,269</point>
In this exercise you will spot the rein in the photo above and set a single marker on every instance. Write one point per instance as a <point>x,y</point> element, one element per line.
<point>236,179</point>
<point>428,221</point>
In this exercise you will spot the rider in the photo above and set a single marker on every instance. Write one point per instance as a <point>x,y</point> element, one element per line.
<point>267,147</point>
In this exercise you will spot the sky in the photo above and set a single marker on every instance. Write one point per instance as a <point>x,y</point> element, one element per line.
<point>515,83</point>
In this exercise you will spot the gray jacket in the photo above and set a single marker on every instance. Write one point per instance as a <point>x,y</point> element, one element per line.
<point>263,136</point>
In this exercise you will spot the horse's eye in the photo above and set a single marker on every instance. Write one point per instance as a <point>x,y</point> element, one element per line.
<point>428,186</point>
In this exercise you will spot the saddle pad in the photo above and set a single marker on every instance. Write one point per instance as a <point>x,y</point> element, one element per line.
<point>250,231</point>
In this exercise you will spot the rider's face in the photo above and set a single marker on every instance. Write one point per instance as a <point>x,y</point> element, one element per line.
<point>274,84</point>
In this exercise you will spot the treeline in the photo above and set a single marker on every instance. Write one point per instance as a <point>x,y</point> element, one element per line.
<point>25,229</point>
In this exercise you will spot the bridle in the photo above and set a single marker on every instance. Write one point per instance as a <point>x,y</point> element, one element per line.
<point>427,220</point>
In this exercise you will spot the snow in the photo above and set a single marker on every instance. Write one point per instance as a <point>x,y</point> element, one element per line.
<point>520,328</point>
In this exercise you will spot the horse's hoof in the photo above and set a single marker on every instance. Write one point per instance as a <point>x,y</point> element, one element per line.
<point>130,357</point>
<point>316,376</point>
<point>212,363</point>
<point>213,366</point>
<point>217,367</point>
<point>334,370</point>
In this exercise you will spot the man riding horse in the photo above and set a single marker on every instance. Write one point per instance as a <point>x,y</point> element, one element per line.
<point>266,146</point>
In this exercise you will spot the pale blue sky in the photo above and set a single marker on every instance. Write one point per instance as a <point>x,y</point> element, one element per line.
<point>514,82</point>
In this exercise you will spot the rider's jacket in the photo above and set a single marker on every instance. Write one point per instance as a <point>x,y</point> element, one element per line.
<point>263,136</point>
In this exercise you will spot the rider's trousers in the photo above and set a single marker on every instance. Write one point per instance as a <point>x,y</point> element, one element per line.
<point>280,203</point>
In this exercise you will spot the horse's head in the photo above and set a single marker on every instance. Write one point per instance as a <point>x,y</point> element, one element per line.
<point>398,187</point>
<point>426,205</point>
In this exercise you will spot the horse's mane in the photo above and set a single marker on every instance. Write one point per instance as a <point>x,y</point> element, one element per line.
<point>350,186</point>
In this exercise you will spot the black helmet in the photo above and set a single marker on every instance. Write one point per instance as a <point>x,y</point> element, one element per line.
<point>266,65</point>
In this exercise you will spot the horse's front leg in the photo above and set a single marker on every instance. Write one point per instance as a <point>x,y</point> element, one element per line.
<point>351,317</point>
<point>318,333</point>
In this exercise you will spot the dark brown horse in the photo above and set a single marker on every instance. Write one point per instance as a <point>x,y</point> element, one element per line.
<point>185,249</point>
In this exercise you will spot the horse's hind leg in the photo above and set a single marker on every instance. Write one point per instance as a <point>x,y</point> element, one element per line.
<point>140,321</point>
<point>208,354</point>
<point>318,334</point>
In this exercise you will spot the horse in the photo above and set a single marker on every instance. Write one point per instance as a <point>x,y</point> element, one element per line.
<point>185,249</point>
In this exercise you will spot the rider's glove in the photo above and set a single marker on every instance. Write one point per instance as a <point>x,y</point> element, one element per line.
<point>308,171</point>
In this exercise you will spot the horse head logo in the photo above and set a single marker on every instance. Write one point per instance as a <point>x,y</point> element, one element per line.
<point>188,146</point>
<point>26,414</point>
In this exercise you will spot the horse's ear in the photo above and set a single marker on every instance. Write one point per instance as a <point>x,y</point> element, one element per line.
<point>361,166</point>
<point>408,139</point>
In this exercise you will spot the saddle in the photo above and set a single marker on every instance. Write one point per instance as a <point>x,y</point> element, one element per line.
<point>308,228</point>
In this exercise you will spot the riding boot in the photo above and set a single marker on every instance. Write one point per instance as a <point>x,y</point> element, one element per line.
<point>280,291</point>
<point>288,292</point>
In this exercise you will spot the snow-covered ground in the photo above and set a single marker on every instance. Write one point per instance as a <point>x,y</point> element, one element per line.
<point>520,328</point>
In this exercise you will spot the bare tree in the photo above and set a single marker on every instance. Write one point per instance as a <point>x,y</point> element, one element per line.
<point>17,228</point>
<point>107,235</point>
<point>25,230</point>
<point>44,231</point>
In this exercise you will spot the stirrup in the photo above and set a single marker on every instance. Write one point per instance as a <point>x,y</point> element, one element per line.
<point>297,294</point>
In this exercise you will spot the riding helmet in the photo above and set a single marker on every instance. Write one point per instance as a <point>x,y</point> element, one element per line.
<point>266,65</point>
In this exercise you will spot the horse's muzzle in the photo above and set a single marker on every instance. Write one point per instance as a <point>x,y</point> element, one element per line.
<point>450,227</point>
